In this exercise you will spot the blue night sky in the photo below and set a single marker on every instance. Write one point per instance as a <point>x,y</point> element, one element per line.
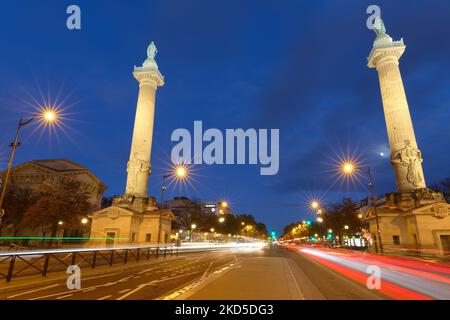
<point>299,66</point>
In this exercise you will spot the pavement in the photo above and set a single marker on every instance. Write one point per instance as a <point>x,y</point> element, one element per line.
<point>278,273</point>
<point>272,273</point>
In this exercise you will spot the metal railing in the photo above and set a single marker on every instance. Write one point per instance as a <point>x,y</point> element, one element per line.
<point>41,261</point>
<point>21,263</point>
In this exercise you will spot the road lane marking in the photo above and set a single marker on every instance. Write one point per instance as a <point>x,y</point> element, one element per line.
<point>124,279</point>
<point>75,291</point>
<point>206,271</point>
<point>123,291</point>
<point>195,283</point>
<point>87,290</point>
<point>141,286</point>
<point>147,270</point>
<point>31,291</point>
<point>62,297</point>
<point>300,293</point>
<point>105,297</point>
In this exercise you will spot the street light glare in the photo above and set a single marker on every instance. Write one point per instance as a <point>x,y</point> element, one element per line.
<point>180,171</point>
<point>50,116</point>
<point>224,204</point>
<point>314,204</point>
<point>348,167</point>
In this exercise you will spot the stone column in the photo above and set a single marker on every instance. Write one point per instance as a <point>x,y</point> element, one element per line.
<point>406,158</point>
<point>138,166</point>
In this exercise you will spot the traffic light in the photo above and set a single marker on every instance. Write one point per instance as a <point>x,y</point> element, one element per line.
<point>329,235</point>
<point>308,222</point>
<point>273,235</point>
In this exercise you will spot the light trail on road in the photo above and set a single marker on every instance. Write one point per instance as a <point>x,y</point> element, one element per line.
<point>401,278</point>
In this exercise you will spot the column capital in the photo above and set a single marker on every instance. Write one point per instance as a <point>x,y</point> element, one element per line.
<point>385,47</point>
<point>385,53</point>
<point>148,76</point>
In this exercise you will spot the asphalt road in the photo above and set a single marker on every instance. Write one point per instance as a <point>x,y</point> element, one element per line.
<point>276,273</point>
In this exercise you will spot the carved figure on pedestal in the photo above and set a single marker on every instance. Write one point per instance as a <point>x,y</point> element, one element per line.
<point>409,157</point>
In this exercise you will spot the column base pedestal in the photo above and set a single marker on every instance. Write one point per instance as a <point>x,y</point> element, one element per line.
<point>131,220</point>
<point>413,222</point>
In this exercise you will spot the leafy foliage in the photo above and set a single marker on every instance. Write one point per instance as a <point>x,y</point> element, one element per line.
<point>65,202</point>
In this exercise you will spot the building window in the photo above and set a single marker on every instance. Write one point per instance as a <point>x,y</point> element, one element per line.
<point>445,242</point>
<point>396,240</point>
<point>110,238</point>
<point>148,237</point>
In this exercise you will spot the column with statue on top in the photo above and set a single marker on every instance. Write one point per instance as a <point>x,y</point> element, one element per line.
<point>135,217</point>
<point>414,216</point>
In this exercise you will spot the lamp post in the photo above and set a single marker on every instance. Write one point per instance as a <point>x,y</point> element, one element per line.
<point>320,220</point>
<point>349,168</point>
<point>180,172</point>
<point>193,226</point>
<point>47,116</point>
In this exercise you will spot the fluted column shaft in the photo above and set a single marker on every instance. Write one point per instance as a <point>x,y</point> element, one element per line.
<point>138,166</point>
<point>406,158</point>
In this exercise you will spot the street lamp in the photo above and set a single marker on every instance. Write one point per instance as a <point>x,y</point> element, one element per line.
<point>349,168</point>
<point>222,219</point>
<point>179,172</point>
<point>46,116</point>
<point>193,226</point>
<point>224,204</point>
<point>346,227</point>
<point>84,221</point>
<point>314,204</point>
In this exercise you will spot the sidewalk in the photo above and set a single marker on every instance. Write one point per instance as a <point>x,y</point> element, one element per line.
<point>261,278</point>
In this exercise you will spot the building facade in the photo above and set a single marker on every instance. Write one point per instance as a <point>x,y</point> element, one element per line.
<point>38,173</point>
